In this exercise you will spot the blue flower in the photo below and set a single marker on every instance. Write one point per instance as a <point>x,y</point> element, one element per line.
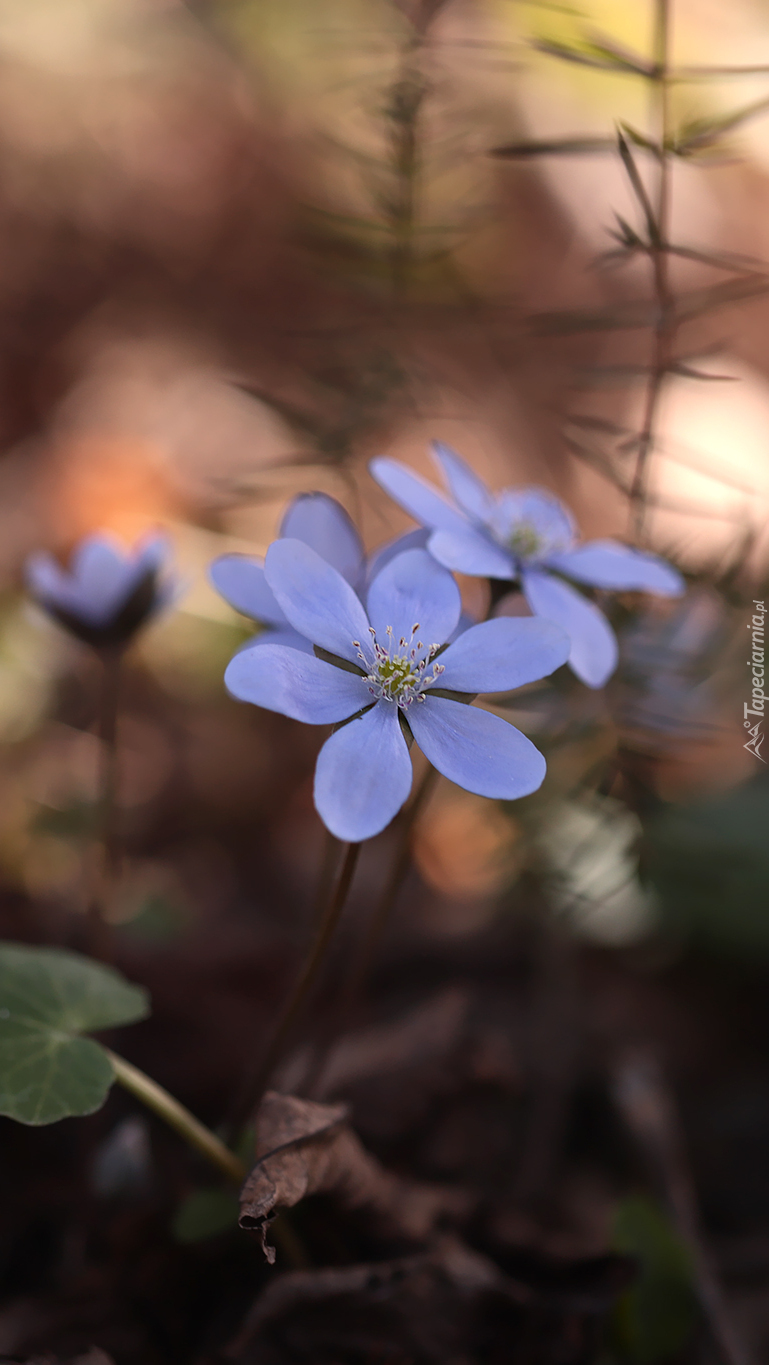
<point>322,523</point>
<point>107,593</point>
<point>528,535</point>
<point>384,670</point>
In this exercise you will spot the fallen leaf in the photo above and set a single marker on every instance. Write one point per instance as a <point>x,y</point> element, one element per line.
<point>305,1148</point>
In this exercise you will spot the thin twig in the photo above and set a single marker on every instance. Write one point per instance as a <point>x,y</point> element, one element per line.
<point>665,325</point>
<point>257,1082</point>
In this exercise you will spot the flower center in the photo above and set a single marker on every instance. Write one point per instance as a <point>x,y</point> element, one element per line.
<point>399,672</point>
<point>524,540</point>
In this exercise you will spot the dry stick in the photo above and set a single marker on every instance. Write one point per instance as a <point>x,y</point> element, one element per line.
<point>665,326</point>
<point>109,851</point>
<point>257,1082</point>
<point>649,1109</point>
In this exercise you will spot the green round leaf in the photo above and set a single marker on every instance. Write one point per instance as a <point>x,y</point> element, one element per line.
<point>48,998</point>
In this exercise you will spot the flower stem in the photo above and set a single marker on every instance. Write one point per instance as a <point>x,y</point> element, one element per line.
<point>364,957</point>
<point>179,1118</point>
<point>257,1083</point>
<point>378,922</point>
<point>109,853</point>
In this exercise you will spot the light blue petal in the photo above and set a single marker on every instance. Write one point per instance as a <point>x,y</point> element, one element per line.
<point>593,654</point>
<point>318,602</point>
<point>412,540</point>
<point>542,512</point>
<point>471,552</point>
<point>363,775</point>
<point>297,685</point>
<point>502,654</point>
<point>476,749</point>
<point>608,564</point>
<point>45,577</point>
<point>103,577</point>
<point>282,635</point>
<point>99,553</point>
<point>412,590</point>
<point>467,489</point>
<point>417,497</point>
<point>99,581</point>
<point>241,582</point>
<point>464,623</point>
<point>322,523</point>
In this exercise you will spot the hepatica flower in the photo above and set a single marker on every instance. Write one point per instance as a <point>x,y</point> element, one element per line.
<point>382,674</point>
<point>322,523</point>
<point>107,592</point>
<point>527,535</point>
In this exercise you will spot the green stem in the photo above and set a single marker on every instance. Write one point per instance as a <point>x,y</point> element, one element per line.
<point>253,1091</point>
<point>179,1118</point>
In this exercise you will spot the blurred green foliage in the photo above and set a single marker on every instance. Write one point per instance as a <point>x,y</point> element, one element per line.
<point>709,865</point>
<point>654,1319</point>
<point>206,1213</point>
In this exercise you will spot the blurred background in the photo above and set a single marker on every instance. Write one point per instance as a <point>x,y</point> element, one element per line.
<point>245,246</point>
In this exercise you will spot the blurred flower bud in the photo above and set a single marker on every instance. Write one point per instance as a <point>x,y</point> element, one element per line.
<point>107,593</point>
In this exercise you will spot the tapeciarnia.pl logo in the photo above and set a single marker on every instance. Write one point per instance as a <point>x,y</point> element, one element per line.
<point>755,707</point>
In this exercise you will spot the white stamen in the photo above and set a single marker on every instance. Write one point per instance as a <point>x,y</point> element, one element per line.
<point>398,673</point>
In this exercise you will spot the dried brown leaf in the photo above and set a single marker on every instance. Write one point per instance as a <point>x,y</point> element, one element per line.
<point>306,1148</point>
